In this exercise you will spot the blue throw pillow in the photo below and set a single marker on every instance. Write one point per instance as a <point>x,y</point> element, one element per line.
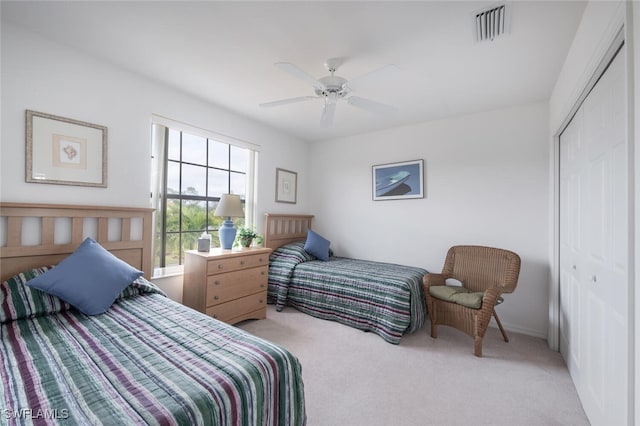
<point>317,245</point>
<point>90,279</point>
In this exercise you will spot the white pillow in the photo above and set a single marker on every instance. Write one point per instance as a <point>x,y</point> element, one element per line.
<point>453,282</point>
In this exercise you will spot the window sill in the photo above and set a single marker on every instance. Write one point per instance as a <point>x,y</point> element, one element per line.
<point>169,271</point>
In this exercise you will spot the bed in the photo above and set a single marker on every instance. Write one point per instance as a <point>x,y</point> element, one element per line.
<point>383,298</point>
<point>146,360</point>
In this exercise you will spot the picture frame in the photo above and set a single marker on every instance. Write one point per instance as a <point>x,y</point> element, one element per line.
<point>65,151</point>
<point>398,181</point>
<point>286,186</point>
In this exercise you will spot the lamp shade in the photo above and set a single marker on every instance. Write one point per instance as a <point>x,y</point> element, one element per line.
<point>229,206</point>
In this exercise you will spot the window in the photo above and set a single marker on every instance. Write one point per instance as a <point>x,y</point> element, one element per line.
<point>191,171</point>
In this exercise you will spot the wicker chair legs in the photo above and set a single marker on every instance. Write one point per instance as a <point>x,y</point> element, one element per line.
<point>504,333</point>
<point>477,340</point>
<point>477,346</point>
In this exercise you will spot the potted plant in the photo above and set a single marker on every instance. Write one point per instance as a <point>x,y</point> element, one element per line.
<point>246,235</point>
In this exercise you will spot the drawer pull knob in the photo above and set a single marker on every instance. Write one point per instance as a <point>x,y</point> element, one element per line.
<point>261,285</point>
<point>216,282</point>
<point>216,297</point>
<point>262,273</point>
<point>220,266</point>
<point>242,262</point>
<point>260,300</point>
<point>215,316</point>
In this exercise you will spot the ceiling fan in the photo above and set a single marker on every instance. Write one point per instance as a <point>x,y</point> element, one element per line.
<point>332,88</point>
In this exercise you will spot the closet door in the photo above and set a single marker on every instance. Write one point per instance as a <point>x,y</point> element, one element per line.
<point>594,251</point>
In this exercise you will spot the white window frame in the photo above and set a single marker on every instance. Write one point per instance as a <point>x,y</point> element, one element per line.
<point>157,187</point>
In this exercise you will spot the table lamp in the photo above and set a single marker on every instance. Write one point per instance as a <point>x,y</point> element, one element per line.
<point>229,206</point>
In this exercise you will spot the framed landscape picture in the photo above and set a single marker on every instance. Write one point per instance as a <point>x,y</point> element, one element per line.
<point>64,151</point>
<point>398,181</point>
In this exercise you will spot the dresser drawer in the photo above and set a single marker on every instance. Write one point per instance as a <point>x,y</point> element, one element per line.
<point>230,310</point>
<point>217,266</point>
<point>232,285</point>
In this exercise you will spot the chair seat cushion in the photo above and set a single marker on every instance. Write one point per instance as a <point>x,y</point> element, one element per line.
<point>460,295</point>
<point>455,294</point>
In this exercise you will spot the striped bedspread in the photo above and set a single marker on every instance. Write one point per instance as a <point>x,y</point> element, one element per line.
<point>384,298</point>
<point>148,360</point>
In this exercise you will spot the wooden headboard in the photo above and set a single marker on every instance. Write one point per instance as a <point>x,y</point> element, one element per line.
<point>33,235</point>
<point>281,229</point>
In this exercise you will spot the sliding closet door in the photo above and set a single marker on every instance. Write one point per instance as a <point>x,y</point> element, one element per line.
<point>594,252</point>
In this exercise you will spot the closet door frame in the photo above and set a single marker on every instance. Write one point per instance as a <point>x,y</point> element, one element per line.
<point>618,40</point>
<point>553,335</point>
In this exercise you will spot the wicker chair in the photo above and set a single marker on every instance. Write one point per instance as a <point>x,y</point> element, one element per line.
<point>485,273</point>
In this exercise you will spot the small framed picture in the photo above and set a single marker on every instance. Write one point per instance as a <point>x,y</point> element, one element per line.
<point>64,151</point>
<point>286,186</point>
<point>398,181</point>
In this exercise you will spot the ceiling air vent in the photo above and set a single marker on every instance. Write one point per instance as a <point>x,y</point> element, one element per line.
<point>491,23</point>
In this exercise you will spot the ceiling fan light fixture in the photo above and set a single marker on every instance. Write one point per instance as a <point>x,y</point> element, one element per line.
<point>333,84</point>
<point>331,98</point>
<point>331,89</point>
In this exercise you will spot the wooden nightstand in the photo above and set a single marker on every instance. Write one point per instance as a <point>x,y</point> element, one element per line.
<point>230,285</point>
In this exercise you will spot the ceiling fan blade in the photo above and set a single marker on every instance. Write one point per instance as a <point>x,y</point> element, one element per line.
<point>326,119</point>
<point>287,101</point>
<point>371,106</point>
<point>300,74</point>
<point>373,77</point>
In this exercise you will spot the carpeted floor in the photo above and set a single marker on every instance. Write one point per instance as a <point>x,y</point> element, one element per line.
<point>353,378</point>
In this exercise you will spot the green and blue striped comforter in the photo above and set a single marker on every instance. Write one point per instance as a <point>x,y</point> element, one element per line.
<point>384,298</point>
<point>148,360</point>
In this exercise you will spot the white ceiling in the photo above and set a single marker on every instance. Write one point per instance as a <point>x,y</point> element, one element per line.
<point>224,52</point>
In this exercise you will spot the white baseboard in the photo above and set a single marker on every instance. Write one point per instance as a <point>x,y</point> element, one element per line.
<point>522,330</point>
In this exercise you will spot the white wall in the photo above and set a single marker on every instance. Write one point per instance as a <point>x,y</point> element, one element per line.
<point>48,77</point>
<point>51,78</point>
<point>486,183</point>
<point>600,23</point>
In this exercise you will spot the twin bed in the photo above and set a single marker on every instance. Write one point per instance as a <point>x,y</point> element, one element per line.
<point>147,360</point>
<point>386,299</point>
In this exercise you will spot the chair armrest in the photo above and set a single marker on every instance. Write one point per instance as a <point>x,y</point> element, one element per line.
<point>433,279</point>
<point>429,280</point>
<point>490,297</point>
